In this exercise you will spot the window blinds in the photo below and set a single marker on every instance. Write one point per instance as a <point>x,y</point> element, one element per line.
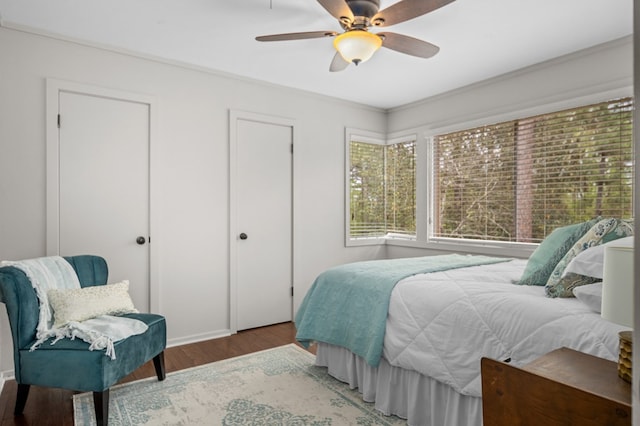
<point>366,180</point>
<point>519,180</point>
<point>382,189</point>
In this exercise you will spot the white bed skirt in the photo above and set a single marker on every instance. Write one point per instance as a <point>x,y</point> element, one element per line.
<point>407,394</point>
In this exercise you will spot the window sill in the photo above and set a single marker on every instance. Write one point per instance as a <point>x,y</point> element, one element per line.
<point>519,250</point>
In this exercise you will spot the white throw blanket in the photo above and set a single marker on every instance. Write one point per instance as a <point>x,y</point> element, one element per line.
<point>46,273</point>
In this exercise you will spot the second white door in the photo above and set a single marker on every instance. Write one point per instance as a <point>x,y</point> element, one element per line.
<point>263,239</point>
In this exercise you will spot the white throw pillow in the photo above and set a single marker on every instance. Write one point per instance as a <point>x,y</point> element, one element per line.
<point>590,295</point>
<point>89,302</point>
<point>590,262</point>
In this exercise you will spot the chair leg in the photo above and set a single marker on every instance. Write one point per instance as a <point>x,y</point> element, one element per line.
<point>101,407</point>
<point>158,363</point>
<point>21,398</point>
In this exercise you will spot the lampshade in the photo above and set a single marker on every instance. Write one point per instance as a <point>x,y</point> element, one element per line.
<point>617,285</point>
<point>357,45</point>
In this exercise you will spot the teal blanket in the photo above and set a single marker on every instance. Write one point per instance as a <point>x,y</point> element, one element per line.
<point>347,305</point>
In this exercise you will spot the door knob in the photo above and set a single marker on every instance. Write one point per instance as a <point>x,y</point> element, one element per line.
<point>243,236</point>
<point>141,240</point>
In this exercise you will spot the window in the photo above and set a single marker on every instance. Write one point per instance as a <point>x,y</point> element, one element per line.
<point>400,175</point>
<point>366,177</point>
<point>516,181</point>
<point>381,188</point>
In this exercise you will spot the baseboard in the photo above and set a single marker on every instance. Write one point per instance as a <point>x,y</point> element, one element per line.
<point>7,375</point>
<point>195,338</point>
<point>4,376</point>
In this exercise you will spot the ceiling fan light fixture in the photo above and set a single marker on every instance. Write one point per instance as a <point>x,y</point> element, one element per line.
<point>357,45</point>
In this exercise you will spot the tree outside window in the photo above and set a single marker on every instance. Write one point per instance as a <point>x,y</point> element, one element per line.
<point>382,189</point>
<point>519,180</point>
<point>514,181</point>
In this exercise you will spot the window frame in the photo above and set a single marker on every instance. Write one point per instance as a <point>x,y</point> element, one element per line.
<point>365,136</point>
<point>357,135</point>
<point>425,201</point>
<point>512,249</point>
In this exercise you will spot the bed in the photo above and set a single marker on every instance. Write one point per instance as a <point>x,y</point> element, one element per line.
<point>438,323</point>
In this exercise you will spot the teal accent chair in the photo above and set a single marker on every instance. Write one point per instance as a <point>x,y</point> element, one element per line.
<point>69,364</point>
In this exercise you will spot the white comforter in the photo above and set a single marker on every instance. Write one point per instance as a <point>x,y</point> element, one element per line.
<point>441,324</point>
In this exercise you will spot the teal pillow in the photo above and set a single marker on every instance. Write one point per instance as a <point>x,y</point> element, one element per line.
<point>603,231</point>
<point>551,251</point>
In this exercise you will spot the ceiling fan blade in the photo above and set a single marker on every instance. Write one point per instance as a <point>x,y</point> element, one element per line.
<point>338,9</point>
<point>409,45</point>
<point>297,36</point>
<point>338,63</point>
<point>405,10</point>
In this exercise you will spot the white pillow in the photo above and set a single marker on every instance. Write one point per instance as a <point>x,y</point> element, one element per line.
<point>590,295</point>
<point>89,302</point>
<point>590,262</point>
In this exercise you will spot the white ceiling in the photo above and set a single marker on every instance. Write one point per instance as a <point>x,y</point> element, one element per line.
<point>478,39</point>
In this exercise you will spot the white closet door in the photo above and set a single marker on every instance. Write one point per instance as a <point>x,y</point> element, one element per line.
<point>264,223</point>
<point>104,185</point>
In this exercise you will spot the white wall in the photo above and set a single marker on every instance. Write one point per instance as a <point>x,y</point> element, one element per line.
<point>559,83</point>
<point>192,148</point>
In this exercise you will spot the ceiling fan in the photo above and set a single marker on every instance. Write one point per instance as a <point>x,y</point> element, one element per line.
<point>356,44</point>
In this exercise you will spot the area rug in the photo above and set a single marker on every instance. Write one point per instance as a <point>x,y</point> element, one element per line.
<point>279,386</point>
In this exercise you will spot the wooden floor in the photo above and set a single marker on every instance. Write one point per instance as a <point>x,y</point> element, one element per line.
<point>46,406</point>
